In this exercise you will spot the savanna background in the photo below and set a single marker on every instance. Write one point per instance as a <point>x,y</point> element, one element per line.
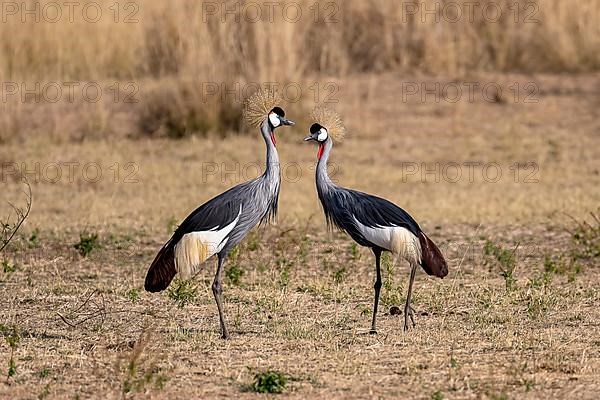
<point>479,118</point>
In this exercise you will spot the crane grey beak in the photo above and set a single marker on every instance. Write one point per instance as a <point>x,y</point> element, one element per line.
<point>287,121</point>
<point>308,138</point>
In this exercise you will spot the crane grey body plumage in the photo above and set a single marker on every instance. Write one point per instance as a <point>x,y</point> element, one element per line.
<point>374,222</point>
<point>221,223</point>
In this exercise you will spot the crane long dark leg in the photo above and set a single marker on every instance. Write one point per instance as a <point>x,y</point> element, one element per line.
<point>408,311</point>
<point>377,288</point>
<point>218,293</point>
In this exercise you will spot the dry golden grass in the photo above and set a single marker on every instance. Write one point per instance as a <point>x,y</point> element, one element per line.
<point>88,330</point>
<point>176,48</point>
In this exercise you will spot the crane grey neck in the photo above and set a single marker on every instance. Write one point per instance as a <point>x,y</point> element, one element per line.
<point>272,167</point>
<point>324,183</point>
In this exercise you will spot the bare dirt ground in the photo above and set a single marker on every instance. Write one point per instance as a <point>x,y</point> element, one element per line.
<point>298,299</point>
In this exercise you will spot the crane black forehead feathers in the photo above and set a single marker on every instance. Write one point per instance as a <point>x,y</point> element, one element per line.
<point>279,111</point>
<point>315,128</point>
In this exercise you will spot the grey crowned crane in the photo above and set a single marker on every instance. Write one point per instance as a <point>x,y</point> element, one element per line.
<point>221,223</point>
<point>371,221</point>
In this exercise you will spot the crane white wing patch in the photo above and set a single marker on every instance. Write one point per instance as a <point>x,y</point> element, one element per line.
<point>196,247</point>
<point>396,239</point>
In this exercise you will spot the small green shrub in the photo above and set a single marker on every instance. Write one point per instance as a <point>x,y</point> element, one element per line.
<point>8,268</point>
<point>34,238</point>
<point>354,251</point>
<point>339,275</point>
<point>235,273</point>
<point>506,260</point>
<point>269,382</point>
<point>586,238</point>
<point>182,292</point>
<point>87,243</point>
<point>437,395</point>
<point>133,295</point>
<point>12,339</point>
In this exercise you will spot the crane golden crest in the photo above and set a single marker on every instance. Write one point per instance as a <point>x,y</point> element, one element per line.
<point>331,120</point>
<point>258,106</point>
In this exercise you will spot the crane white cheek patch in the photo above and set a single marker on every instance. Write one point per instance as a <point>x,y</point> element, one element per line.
<point>274,119</point>
<point>322,135</point>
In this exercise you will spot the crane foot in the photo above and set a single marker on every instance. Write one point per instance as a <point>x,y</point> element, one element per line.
<point>408,313</point>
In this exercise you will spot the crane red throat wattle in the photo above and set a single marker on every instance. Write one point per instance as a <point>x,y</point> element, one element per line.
<point>321,148</point>
<point>273,138</point>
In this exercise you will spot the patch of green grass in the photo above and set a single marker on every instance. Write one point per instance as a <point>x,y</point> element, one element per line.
<point>303,248</point>
<point>339,275</point>
<point>354,251</point>
<point>12,338</point>
<point>269,382</point>
<point>284,267</point>
<point>87,243</point>
<point>182,292</point>
<point>8,267</point>
<point>437,395</point>
<point>586,238</point>
<point>391,293</point>
<point>133,295</point>
<point>33,240</point>
<point>44,373</point>
<point>234,274</point>
<point>584,247</point>
<point>253,241</point>
<point>506,260</point>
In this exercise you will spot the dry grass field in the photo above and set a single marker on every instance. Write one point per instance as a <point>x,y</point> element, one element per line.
<point>505,181</point>
<point>299,298</point>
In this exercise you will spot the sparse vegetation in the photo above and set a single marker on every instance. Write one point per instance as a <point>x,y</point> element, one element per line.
<point>8,267</point>
<point>12,338</point>
<point>87,243</point>
<point>133,295</point>
<point>11,225</point>
<point>234,271</point>
<point>505,259</point>
<point>182,292</point>
<point>269,382</point>
<point>235,274</point>
<point>140,372</point>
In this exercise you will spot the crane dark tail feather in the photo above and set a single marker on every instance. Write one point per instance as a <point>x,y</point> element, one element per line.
<point>162,271</point>
<point>432,260</point>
